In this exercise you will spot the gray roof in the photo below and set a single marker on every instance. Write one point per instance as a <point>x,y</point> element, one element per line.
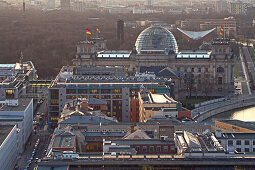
<point>239,123</point>
<point>118,134</point>
<point>23,103</point>
<point>85,119</point>
<point>64,141</point>
<point>4,132</point>
<point>141,141</point>
<point>55,167</point>
<point>237,136</point>
<point>96,101</point>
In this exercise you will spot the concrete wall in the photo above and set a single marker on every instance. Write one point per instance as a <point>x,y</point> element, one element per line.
<point>205,112</point>
<point>9,151</point>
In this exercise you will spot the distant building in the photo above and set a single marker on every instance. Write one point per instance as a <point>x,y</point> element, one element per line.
<point>14,79</point>
<point>65,4</point>
<point>120,30</point>
<point>51,4</point>
<point>8,146</point>
<point>237,8</point>
<point>221,6</point>
<point>228,24</point>
<point>18,112</point>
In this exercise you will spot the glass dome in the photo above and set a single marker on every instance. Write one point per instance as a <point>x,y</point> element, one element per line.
<point>156,40</point>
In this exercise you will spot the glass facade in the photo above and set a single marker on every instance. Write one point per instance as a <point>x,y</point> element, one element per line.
<point>156,39</point>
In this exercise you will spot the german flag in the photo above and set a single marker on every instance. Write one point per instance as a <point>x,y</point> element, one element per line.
<point>221,31</point>
<point>98,30</point>
<point>88,32</point>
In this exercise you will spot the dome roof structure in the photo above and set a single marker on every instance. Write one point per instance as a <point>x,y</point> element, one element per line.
<point>156,40</point>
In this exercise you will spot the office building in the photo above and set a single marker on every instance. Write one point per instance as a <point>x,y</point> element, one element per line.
<point>15,79</point>
<point>8,146</point>
<point>20,113</point>
<point>65,4</point>
<point>72,83</point>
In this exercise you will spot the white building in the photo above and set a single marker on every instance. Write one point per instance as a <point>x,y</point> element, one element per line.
<point>8,147</point>
<point>238,142</point>
<point>21,115</point>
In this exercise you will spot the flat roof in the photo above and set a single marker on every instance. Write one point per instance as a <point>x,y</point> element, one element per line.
<point>239,123</point>
<point>140,141</point>
<point>22,105</point>
<point>4,132</point>
<point>64,141</point>
<point>237,136</point>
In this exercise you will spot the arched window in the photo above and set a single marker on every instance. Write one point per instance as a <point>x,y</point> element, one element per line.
<point>220,70</point>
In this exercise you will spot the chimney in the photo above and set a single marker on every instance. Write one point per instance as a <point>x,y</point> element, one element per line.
<point>132,129</point>
<point>84,105</point>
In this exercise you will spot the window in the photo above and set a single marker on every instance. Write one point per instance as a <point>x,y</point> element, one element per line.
<point>82,91</point>
<point>105,91</point>
<point>185,70</point>
<point>238,142</point>
<point>165,148</point>
<point>70,91</point>
<point>230,143</point>
<point>137,148</point>
<point>253,149</point>
<point>246,142</point>
<point>172,148</point>
<point>151,148</point>
<point>247,150</point>
<point>192,69</point>
<point>117,91</point>
<point>158,149</point>
<point>253,142</point>
<point>220,70</point>
<point>93,91</point>
<point>206,69</point>
<point>219,80</point>
<point>238,149</point>
<point>144,149</point>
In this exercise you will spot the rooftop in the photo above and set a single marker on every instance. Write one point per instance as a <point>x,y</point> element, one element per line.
<point>22,105</point>
<point>239,123</point>
<point>86,119</point>
<point>64,141</point>
<point>140,141</point>
<point>4,132</point>
<point>194,54</point>
<point>237,136</point>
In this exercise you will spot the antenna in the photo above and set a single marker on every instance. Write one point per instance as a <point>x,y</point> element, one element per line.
<point>21,59</point>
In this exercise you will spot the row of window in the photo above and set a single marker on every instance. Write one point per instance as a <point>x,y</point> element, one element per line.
<point>239,142</point>
<point>152,149</point>
<point>245,150</point>
<point>199,69</point>
<point>93,91</point>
